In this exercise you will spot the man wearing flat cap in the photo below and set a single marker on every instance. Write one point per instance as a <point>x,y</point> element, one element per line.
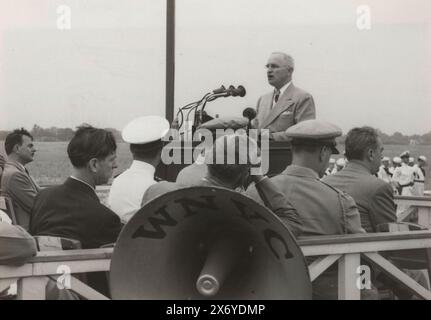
<point>232,171</point>
<point>373,196</point>
<point>319,205</point>
<point>323,210</point>
<point>145,137</point>
<point>193,173</point>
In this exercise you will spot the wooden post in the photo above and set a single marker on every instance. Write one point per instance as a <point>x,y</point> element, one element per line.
<point>32,288</point>
<point>347,277</point>
<point>170,59</point>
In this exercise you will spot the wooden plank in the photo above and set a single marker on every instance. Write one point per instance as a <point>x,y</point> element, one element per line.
<point>424,201</point>
<point>51,268</point>
<point>340,248</point>
<point>32,288</point>
<point>73,255</point>
<point>399,275</point>
<point>364,237</point>
<point>347,277</point>
<point>16,272</point>
<point>424,217</point>
<point>320,265</point>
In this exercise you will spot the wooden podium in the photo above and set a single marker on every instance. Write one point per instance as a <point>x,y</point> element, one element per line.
<point>280,156</point>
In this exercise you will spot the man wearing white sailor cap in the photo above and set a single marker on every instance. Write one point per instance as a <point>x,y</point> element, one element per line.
<point>419,173</point>
<point>384,172</point>
<point>145,137</point>
<point>404,176</point>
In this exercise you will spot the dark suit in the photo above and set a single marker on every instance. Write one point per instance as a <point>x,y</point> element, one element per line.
<point>73,210</point>
<point>293,106</point>
<point>373,196</point>
<point>18,185</point>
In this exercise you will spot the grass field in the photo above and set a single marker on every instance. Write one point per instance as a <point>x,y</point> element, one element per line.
<point>51,165</point>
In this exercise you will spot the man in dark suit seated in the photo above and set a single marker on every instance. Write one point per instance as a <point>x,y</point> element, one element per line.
<point>73,210</point>
<point>373,196</point>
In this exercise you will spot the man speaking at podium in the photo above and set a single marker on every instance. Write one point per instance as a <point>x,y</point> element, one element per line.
<point>286,105</point>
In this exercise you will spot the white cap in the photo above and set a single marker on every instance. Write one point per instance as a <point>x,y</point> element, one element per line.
<point>341,162</point>
<point>145,130</point>
<point>423,158</point>
<point>397,160</point>
<point>386,159</point>
<point>405,154</point>
<point>332,161</point>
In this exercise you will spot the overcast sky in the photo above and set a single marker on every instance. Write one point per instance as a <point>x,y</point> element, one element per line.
<point>110,66</point>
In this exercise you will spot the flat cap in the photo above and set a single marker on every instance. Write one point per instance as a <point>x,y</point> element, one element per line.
<point>385,159</point>
<point>405,154</point>
<point>422,158</point>
<point>315,131</point>
<point>145,130</point>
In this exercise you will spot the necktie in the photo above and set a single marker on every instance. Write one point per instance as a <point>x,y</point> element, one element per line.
<point>276,95</point>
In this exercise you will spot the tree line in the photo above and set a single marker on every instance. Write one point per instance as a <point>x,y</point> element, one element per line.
<point>66,134</point>
<point>54,134</point>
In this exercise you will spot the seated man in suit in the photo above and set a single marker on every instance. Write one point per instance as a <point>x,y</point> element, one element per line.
<point>73,210</point>
<point>16,182</point>
<point>373,196</point>
<point>286,105</point>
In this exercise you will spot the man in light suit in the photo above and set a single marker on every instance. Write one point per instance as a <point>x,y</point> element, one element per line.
<point>16,182</point>
<point>286,105</point>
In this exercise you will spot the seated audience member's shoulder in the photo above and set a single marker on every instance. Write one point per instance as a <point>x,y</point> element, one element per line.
<point>16,245</point>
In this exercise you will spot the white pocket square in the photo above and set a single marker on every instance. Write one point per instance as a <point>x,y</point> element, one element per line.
<point>286,113</point>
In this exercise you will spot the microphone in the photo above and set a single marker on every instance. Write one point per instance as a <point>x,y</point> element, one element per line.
<point>230,92</point>
<point>249,113</point>
<point>240,91</point>
<point>222,89</point>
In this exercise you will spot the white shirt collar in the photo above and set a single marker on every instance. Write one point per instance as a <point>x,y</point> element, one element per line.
<point>75,178</point>
<point>142,165</point>
<point>284,88</point>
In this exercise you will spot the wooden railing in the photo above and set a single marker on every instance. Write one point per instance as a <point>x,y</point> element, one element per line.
<point>421,205</point>
<point>347,250</point>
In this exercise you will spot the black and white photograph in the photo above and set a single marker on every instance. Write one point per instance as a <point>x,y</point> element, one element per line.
<point>215,155</point>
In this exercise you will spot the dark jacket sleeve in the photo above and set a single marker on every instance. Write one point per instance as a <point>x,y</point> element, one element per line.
<point>265,192</point>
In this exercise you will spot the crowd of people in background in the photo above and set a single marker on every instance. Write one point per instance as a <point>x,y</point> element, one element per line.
<point>404,173</point>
